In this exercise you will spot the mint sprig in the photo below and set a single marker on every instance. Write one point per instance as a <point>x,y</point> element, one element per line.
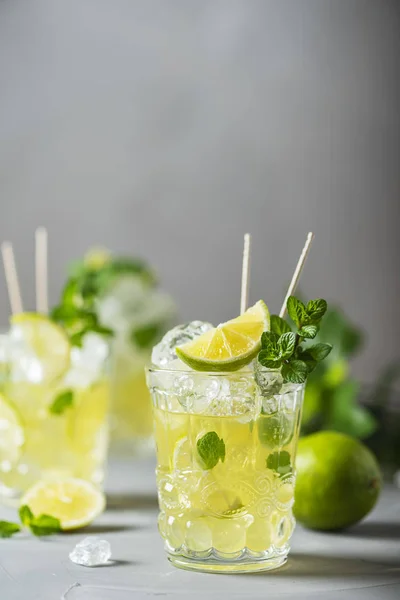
<point>281,348</point>
<point>39,526</point>
<point>210,450</point>
<point>8,529</point>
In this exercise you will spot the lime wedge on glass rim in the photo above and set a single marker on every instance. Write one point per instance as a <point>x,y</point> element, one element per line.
<point>46,340</point>
<point>229,346</point>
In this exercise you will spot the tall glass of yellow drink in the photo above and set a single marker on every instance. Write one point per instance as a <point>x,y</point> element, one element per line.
<point>225,471</point>
<point>53,405</point>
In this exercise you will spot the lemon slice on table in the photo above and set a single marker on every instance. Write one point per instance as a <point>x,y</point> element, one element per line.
<point>47,341</point>
<point>75,502</point>
<point>12,435</point>
<point>229,346</point>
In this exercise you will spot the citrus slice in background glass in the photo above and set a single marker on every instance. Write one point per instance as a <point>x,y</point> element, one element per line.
<point>75,502</point>
<point>229,346</point>
<point>12,435</point>
<point>42,345</point>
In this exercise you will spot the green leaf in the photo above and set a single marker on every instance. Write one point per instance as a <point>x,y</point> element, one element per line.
<point>8,529</point>
<point>63,401</point>
<point>210,449</point>
<point>316,310</point>
<point>319,351</point>
<point>265,360</point>
<point>147,335</point>
<point>297,311</point>
<point>308,331</point>
<point>26,515</point>
<point>279,462</point>
<point>286,344</point>
<point>295,371</point>
<point>270,345</point>
<point>306,358</point>
<point>279,325</point>
<point>45,525</point>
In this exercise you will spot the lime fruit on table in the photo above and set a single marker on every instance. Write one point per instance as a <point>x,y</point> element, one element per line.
<point>338,481</point>
<point>229,346</point>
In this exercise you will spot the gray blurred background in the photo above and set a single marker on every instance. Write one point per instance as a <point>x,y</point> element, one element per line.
<point>168,128</point>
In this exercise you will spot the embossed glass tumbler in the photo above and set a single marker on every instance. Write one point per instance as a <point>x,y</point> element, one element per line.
<point>225,472</point>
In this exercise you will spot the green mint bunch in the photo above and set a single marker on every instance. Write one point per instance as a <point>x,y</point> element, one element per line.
<point>39,526</point>
<point>281,348</point>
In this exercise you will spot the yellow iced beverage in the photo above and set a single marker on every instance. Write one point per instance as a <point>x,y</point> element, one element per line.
<point>225,473</point>
<point>227,409</point>
<point>53,406</point>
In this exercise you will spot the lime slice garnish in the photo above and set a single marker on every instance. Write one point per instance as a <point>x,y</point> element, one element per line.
<point>229,346</point>
<point>75,502</point>
<point>46,340</point>
<point>182,457</point>
<point>12,435</point>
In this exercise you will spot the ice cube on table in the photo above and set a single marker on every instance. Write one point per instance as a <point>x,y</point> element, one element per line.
<point>91,552</point>
<point>164,353</point>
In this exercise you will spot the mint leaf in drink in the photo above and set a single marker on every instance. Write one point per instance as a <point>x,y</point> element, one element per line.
<point>210,450</point>
<point>267,362</point>
<point>297,311</point>
<point>294,371</point>
<point>286,344</point>
<point>319,351</point>
<point>316,309</point>
<point>279,325</point>
<point>44,525</point>
<point>308,331</point>
<point>26,515</point>
<point>63,401</point>
<point>8,529</point>
<point>279,462</point>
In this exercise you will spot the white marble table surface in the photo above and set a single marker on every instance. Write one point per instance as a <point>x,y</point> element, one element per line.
<point>362,563</point>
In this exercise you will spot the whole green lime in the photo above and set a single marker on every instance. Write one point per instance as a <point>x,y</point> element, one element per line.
<point>338,481</point>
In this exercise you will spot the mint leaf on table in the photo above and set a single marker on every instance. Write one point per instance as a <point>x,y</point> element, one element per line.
<point>286,344</point>
<point>308,331</point>
<point>297,311</point>
<point>26,515</point>
<point>279,462</point>
<point>279,325</point>
<point>211,450</point>
<point>319,351</point>
<point>44,525</point>
<point>63,401</point>
<point>295,371</point>
<point>8,529</point>
<point>315,310</point>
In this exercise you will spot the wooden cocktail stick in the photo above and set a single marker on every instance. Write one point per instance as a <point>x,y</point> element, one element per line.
<point>297,272</point>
